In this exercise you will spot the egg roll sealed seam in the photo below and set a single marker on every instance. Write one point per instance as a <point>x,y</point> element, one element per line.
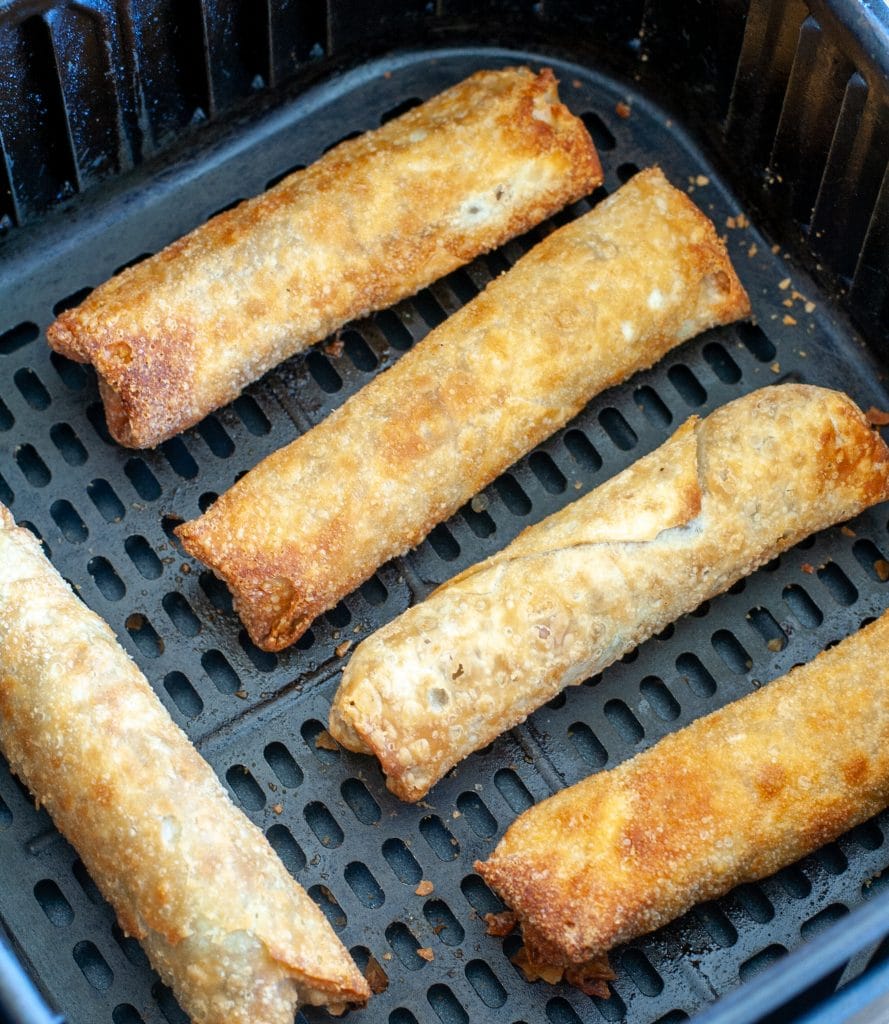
<point>731,798</point>
<point>371,222</point>
<point>597,300</point>
<point>577,591</point>
<point>222,921</point>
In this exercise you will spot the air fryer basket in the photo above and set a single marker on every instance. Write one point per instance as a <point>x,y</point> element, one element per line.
<point>125,126</point>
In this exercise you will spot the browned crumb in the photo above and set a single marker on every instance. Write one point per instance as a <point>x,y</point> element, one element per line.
<point>702,180</point>
<point>623,109</point>
<point>534,971</point>
<point>876,417</point>
<point>807,568</point>
<point>809,307</point>
<point>775,645</point>
<point>425,953</point>
<point>881,568</point>
<point>324,741</point>
<point>241,693</point>
<point>788,320</point>
<point>424,888</point>
<point>742,221</point>
<point>185,568</point>
<point>277,808</point>
<point>341,649</point>
<point>334,347</point>
<point>776,249</point>
<point>576,83</point>
<point>592,978</point>
<point>752,251</point>
<point>387,956</point>
<point>847,531</point>
<point>500,924</point>
<point>785,284</point>
<point>775,367</point>
<point>375,976</point>
<point>731,222</point>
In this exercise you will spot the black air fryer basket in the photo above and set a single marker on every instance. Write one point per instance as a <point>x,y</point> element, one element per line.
<point>124,124</point>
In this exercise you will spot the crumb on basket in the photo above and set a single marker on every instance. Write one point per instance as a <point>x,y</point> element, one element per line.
<point>426,953</point>
<point>324,741</point>
<point>623,109</point>
<point>375,976</point>
<point>342,648</point>
<point>424,888</point>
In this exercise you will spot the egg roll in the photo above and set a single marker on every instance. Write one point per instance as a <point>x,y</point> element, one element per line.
<point>590,305</point>
<point>371,222</point>
<point>222,921</point>
<point>731,798</point>
<point>577,591</point>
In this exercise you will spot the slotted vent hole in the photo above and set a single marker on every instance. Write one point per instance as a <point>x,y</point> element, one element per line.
<point>404,945</point>
<point>617,428</point>
<point>582,451</point>
<point>31,389</point>
<point>109,584</point>
<point>53,903</point>
<point>485,982</point>
<point>760,961</point>
<point>143,557</point>
<point>17,337</point>
<point>729,648</point>
<point>600,132</point>
<point>144,635</point>
<point>755,341</point>
<point>838,584</point>
<point>663,702</point>
<point>144,482</point>
<point>68,443</point>
<point>513,790</point>
<point>323,824</point>
<point>643,975</point>
<point>33,468</point>
<point>183,694</point>
<point>327,903</point>
<point>317,739</point>
<point>281,761</point>
<point>441,841</point>
<point>480,819</point>
<point>446,1005</point>
<point>66,517</point>
<point>247,790</point>
<point>802,607</point>
<point>588,745</point>
<point>287,848</point>
<point>872,560</point>
<point>402,862</point>
<point>364,885</point>
<point>652,406</point>
<point>93,965</point>
<point>444,924</point>
<point>360,802</point>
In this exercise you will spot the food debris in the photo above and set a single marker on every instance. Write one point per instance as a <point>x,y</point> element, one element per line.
<point>334,347</point>
<point>592,978</point>
<point>776,249</point>
<point>424,888</point>
<point>785,284</point>
<point>185,568</point>
<point>479,503</point>
<point>877,418</point>
<point>534,971</point>
<point>752,251</point>
<point>458,671</point>
<point>847,531</point>
<point>576,83</point>
<point>809,306</point>
<point>241,693</point>
<point>702,180</point>
<point>623,109</point>
<point>500,924</point>
<point>425,953</point>
<point>775,367</point>
<point>807,568</point>
<point>881,568</point>
<point>738,221</point>
<point>375,976</point>
<point>277,808</point>
<point>341,649</point>
<point>775,645</point>
<point>387,956</point>
<point>324,741</point>
<point>788,320</point>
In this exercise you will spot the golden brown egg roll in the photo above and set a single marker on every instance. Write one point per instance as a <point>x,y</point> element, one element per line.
<point>731,798</point>
<point>577,591</point>
<point>593,303</point>
<point>223,923</point>
<point>374,220</point>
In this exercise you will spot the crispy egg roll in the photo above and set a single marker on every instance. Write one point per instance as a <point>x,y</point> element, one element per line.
<point>222,921</point>
<point>577,591</point>
<point>593,303</point>
<point>731,798</point>
<point>374,220</point>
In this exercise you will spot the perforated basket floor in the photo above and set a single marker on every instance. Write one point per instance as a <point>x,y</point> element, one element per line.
<point>105,515</point>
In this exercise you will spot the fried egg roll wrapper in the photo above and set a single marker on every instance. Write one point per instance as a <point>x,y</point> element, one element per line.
<point>731,798</point>
<point>593,303</point>
<point>374,220</point>
<point>222,921</point>
<point>577,591</point>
